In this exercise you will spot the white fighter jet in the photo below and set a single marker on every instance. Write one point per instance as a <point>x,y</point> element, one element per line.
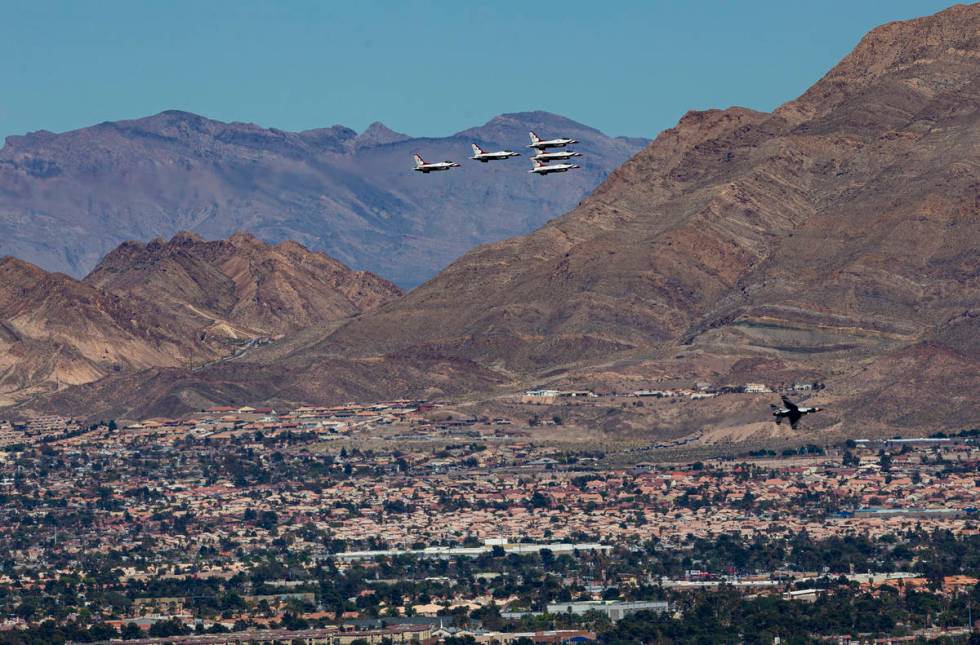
<point>541,168</point>
<point>423,167</point>
<point>561,155</point>
<point>541,144</point>
<point>479,154</point>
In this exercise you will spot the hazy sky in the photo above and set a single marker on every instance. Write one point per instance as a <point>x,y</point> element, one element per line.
<point>423,68</point>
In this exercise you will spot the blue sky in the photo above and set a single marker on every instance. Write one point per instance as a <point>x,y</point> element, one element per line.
<point>423,68</point>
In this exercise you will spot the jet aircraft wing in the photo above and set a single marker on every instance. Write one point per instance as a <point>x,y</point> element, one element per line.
<point>794,417</point>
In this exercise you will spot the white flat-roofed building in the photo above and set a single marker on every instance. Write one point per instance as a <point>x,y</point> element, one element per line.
<point>614,609</point>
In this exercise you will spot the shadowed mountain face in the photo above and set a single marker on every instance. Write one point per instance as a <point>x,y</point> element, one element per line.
<point>837,238</point>
<point>166,304</point>
<point>56,332</point>
<point>67,199</point>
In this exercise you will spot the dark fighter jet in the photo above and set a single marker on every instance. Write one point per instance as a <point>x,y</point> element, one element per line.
<point>791,411</point>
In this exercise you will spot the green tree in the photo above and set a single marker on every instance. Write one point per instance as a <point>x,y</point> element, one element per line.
<point>884,460</point>
<point>131,631</point>
<point>169,627</point>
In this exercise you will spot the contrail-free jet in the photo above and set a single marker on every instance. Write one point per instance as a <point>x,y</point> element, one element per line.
<point>541,144</point>
<point>479,154</point>
<point>544,169</point>
<point>556,156</point>
<point>792,411</point>
<point>422,166</point>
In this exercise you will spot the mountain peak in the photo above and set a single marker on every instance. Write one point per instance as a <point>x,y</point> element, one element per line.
<point>334,139</point>
<point>166,121</point>
<point>185,238</point>
<point>512,123</point>
<point>244,238</point>
<point>931,54</point>
<point>181,115</point>
<point>242,281</point>
<point>11,263</point>
<point>378,134</point>
<point>292,246</point>
<point>541,116</point>
<point>30,138</point>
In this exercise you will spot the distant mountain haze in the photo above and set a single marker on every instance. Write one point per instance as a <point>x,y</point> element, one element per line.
<point>67,199</point>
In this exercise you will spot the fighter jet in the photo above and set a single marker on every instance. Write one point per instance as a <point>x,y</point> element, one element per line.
<point>792,411</point>
<point>479,154</point>
<point>423,167</point>
<point>541,144</point>
<point>556,156</point>
<point>541,168</point>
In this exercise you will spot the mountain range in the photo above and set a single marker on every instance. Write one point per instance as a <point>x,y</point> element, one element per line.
<point>67,199</point>
<point>836,238</point>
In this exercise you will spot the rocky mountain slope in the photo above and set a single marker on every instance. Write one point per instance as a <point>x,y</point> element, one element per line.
<point>837,238</point>
<point>180,303</point>
<point>56,331</point>
<point>246,287</point>
<point>67,199</point>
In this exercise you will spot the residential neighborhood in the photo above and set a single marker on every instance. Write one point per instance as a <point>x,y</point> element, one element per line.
<point>388,521</point>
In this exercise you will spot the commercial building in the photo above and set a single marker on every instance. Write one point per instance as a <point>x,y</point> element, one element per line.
<point>614,609</point>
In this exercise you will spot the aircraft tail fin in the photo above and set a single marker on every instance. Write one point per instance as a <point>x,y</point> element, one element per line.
<point>537,162</point>
<point>534,137</point>
<point>419,161</point>
<point>477,149</point>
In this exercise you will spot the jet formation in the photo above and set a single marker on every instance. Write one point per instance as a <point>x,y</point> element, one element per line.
<point>790,411</point>
<point>539,162</point>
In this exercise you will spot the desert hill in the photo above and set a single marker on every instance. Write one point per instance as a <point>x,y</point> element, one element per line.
<point>241,282</point>
<point>180,303</point>
<point>57,331</point>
